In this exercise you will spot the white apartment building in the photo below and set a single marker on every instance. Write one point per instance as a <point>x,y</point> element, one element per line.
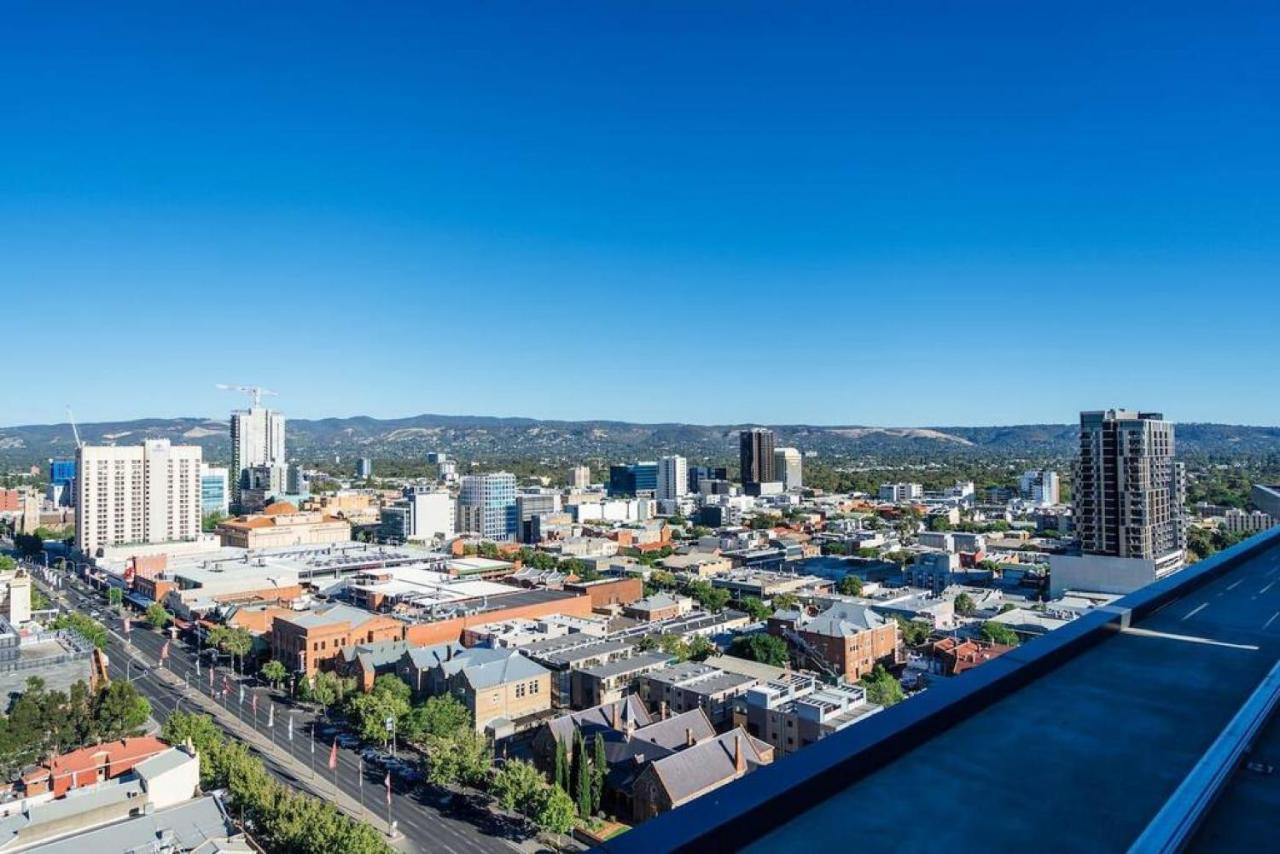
<point>579,477</point>
<point>257,439</point>
<point>897,492</point>
<point>1239,522</point>
<point>790,467</point>
<point>673,478</point>
<point>148,493</point>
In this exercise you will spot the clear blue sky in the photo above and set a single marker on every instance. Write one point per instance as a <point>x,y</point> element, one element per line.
<point>857,213</point>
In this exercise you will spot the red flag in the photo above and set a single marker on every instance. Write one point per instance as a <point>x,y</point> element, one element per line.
<point>333,756</point>
<point>387,781</point>
<point>226,684</point>
<point>254,705</point>
<point>164,651</point>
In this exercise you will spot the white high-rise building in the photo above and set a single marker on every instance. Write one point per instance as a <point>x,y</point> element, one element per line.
<point>580,477</point>
<point>1040,487</point>
<point>257,439</point>
<point>673,478</point>
<point>790,467</point>
<point>148,493</point>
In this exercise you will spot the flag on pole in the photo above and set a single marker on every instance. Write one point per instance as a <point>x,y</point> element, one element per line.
<point>164,651</point>
<point>242,693</point>
<point>226,684</point>
<point>291,727</point>
<point>387,783</point>
<point>253,702</point>
<point>313,745</point>
<point>126,626</point>
<point>333,756</point>
<point>271,716</point>
<point>211,678</point>
<point>360,774</point>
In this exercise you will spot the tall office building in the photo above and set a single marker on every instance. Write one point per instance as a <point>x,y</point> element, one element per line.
<point>364,468</point>
<point>755,456</point>
<point>257,439</point>
<point>633,479</point>
<point>789,465</point>
<point>579,477</point>
<point>1040,486</point>
<point>1129,491</point>
<point>673,478</point>
<point>699,474</point>
<point>148,493</point>
<point>214,489</point>
<point>487,506</point>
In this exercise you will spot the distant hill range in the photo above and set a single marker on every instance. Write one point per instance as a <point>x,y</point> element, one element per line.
<point>480,438</point>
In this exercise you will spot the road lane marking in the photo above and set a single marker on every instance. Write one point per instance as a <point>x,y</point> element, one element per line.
<point>1233,585</point>
<point>1272,620</point>
<point>1268,587</point>
<point>1148,633</point>
<point>1196,610</point>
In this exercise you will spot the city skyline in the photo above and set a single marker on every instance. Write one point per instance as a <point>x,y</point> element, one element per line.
<point>891,203</point>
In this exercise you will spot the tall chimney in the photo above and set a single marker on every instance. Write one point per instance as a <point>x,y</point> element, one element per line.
<point>688,737</point>
<point>662,710</point>
<point>739,763</point>
<point>617,723</point>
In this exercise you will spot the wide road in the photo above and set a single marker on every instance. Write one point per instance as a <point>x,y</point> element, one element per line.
<point>424,825</point>
<point>1082,758</point>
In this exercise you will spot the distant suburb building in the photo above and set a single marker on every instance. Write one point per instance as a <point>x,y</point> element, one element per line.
<point>282,524</point>
<point>130,494</point>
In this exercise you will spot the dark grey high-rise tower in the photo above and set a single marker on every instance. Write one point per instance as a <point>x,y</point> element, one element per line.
<point>1129,493</point>
<point>755,456</point>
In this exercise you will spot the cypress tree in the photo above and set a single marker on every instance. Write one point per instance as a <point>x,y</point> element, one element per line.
<point>581,776</point>
<point>598,768</point>
<point>562,767</point>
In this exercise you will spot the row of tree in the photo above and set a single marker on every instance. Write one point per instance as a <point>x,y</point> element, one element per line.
<point>282,819</point>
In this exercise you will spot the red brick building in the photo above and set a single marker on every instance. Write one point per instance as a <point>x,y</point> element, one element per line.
<point>90,765</point>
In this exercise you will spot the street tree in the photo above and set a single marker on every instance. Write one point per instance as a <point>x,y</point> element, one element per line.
<point>518,786</point>
<point>157,616</point>
<point>274,672</point>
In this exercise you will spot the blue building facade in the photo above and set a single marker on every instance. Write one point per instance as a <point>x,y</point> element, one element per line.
<point>633,478</point>
<point>62,472</point>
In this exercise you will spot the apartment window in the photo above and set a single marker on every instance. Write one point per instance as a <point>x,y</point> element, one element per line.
<point>533,687</point>
<point>520,690</point>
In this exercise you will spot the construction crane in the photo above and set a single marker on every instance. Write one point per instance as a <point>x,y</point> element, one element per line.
<point>255,392</point>
<point>74,431</point>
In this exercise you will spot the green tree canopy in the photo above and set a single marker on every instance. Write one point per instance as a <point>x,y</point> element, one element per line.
<point>882,687</point>
<point>764,648</point>
<point>994,632</point>
<point>850,585</point>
